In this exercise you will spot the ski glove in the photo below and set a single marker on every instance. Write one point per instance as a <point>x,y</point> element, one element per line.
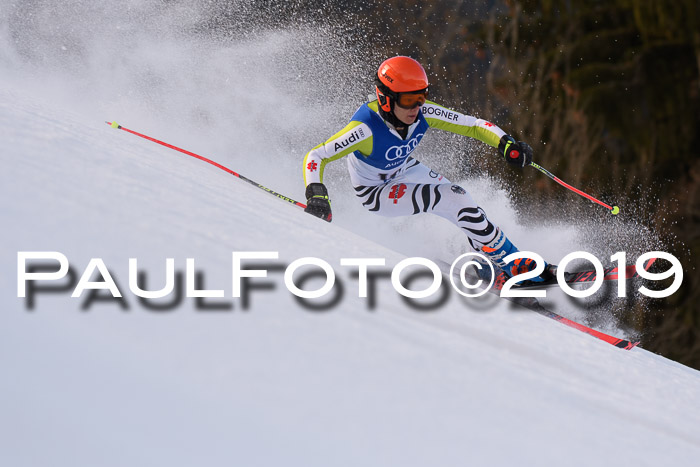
<point>515,152</point>
<point>317,202</point>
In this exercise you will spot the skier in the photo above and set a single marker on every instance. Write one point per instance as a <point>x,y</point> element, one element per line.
<point>379,141</point>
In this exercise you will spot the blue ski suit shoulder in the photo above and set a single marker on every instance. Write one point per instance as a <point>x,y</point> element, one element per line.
<point>388,150</point>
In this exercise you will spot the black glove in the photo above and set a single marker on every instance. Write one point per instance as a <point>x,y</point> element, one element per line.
<point>515,152</point>
<point>317,202</point>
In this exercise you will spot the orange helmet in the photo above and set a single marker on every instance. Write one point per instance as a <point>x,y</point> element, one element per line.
<point>399,75</point>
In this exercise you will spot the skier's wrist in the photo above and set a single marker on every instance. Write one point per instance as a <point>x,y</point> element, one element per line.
<point>515,152</point>
<point>317,201</point>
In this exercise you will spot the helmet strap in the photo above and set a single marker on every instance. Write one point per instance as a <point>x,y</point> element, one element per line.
<point>385,94</point>
<point>400,126</point>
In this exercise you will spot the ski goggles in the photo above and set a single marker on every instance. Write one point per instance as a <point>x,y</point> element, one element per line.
<point>411,100</point>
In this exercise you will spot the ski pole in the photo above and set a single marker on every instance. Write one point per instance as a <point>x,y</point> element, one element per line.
<point>197,156</point>
<point>614,210</point>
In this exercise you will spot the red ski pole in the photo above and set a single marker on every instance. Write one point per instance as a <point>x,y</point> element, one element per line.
<point>197,156</point>
<point>614,210</point>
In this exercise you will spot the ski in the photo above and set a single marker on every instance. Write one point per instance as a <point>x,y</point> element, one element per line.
<point>531,303</point>
<point>610,273</point>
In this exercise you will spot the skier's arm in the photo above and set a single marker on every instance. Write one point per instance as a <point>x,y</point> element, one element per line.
<point>514,152</point>
<point>356,136</point>
<point>446,119</point>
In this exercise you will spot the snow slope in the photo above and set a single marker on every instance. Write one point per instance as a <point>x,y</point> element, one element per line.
<point>276,384</point>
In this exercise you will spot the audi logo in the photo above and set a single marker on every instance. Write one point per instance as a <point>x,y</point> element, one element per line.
<point>400,152</point>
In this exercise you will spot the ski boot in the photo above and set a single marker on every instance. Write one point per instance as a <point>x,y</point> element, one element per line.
<point>500,247</point>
